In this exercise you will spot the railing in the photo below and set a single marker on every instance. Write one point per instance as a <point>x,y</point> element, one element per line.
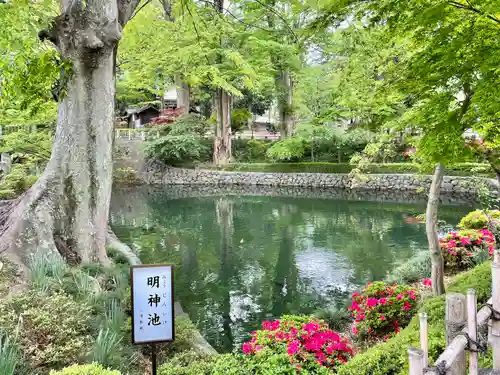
<point>145,133</point>
<point>463,322</point>
<point>141,134</point>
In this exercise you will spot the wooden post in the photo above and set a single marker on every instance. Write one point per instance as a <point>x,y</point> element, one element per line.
<point>129,134</point>
<point>455,320</point>
<point>153,359</point>
<point>424,345</point>
<point>415,359</point>
<point>472,329</point>
<point>495,325</point>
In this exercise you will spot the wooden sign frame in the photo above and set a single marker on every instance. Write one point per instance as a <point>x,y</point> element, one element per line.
<point>132,301</point>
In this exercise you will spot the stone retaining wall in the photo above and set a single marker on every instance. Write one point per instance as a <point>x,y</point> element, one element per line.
<point>162,175</point>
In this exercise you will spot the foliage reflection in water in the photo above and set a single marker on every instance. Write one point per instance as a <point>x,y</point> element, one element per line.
<point>243,259</point>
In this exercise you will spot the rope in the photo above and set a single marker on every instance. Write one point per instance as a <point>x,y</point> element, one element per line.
<point>481,346</point>
<point>495,315</point>
<point>440,369</point>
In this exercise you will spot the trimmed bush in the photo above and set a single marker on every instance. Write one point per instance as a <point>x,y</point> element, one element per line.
<point>55,329</point>
<point>387,168</point>
<point>93,369</point>
<point>478,219</point>
<point>382,309</point>
<point>262,363</point>
<point>391,357</point>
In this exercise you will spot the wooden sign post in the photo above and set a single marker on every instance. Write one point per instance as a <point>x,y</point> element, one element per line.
<point>152,306</point>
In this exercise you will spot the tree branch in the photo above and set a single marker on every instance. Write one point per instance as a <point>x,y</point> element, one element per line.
<point>469,7</point>
<point>126,9</point>
<point>139,9</point>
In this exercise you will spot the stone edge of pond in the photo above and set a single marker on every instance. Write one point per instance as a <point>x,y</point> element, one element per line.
<point>159,174</point>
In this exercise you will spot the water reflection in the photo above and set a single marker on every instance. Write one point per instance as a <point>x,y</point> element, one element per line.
<point>243,259</point>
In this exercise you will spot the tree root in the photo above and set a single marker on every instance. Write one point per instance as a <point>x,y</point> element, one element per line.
<point>125,250</point>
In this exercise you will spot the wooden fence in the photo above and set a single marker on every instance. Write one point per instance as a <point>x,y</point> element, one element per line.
<point>464,325</point>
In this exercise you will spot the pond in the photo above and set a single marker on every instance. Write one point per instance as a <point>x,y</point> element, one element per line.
<point>245,256</point>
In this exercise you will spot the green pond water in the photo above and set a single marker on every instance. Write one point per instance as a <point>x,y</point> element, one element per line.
<point>241,258</point>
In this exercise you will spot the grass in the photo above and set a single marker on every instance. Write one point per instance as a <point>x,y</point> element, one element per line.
<point>105,347</point>
<point>9,356</point>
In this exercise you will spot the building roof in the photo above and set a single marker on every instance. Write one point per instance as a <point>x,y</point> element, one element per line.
<point>131,111</point>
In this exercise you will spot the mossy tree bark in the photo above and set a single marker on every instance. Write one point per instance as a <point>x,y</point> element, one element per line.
<point>437,270</point>
<point>222,140</point>
<point>66,211</point>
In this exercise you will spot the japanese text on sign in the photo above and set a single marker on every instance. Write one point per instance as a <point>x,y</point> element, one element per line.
<point>152,304</point>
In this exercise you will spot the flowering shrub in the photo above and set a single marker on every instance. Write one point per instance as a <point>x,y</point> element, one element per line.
<point>464,249</point>
<point>308,342</point>
<point>382,309</point>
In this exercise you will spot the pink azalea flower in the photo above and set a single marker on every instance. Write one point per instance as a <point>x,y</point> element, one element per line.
<point>258,348</point>
<point>465,241</point>
<point>400,297</point>
<point>355,306</point>
<point>427,282</point>
<point>382,317</point>
<point>354,330</point>
<point>247,348</point>
<point>397,330</point>
<point>371,302</point>
<point>406,306</point>
<point>293,347</point>
<point>382,301</point>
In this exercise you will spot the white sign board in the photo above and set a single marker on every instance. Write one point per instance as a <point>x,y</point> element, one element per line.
<point>152,303</point>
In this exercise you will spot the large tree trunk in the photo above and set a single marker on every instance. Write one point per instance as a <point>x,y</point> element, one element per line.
<point>67,209</point>
<point>222,140</point>
<point>432,232</point>
<point>285,104</point>
<point>183,99</point>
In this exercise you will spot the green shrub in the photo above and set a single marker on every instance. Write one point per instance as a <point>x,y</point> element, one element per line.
<point>93,369</point>
<point>55,329</point>
<point>126,176</point>
<point>177,149</point>
<point>263,363</point>
<point>250,150</point>
<point>336,318</point>
<point>7,194</point>
<point>17,181</point>
<point>8,275</point>
<point>416,268</point>
<point>287,149</point>
<point>478,219</point>
<point>391,357</point>
<point>239,119</point>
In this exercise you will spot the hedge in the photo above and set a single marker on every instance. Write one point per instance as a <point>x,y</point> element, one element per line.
<point>465,169</point>
<point>391,357</point>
